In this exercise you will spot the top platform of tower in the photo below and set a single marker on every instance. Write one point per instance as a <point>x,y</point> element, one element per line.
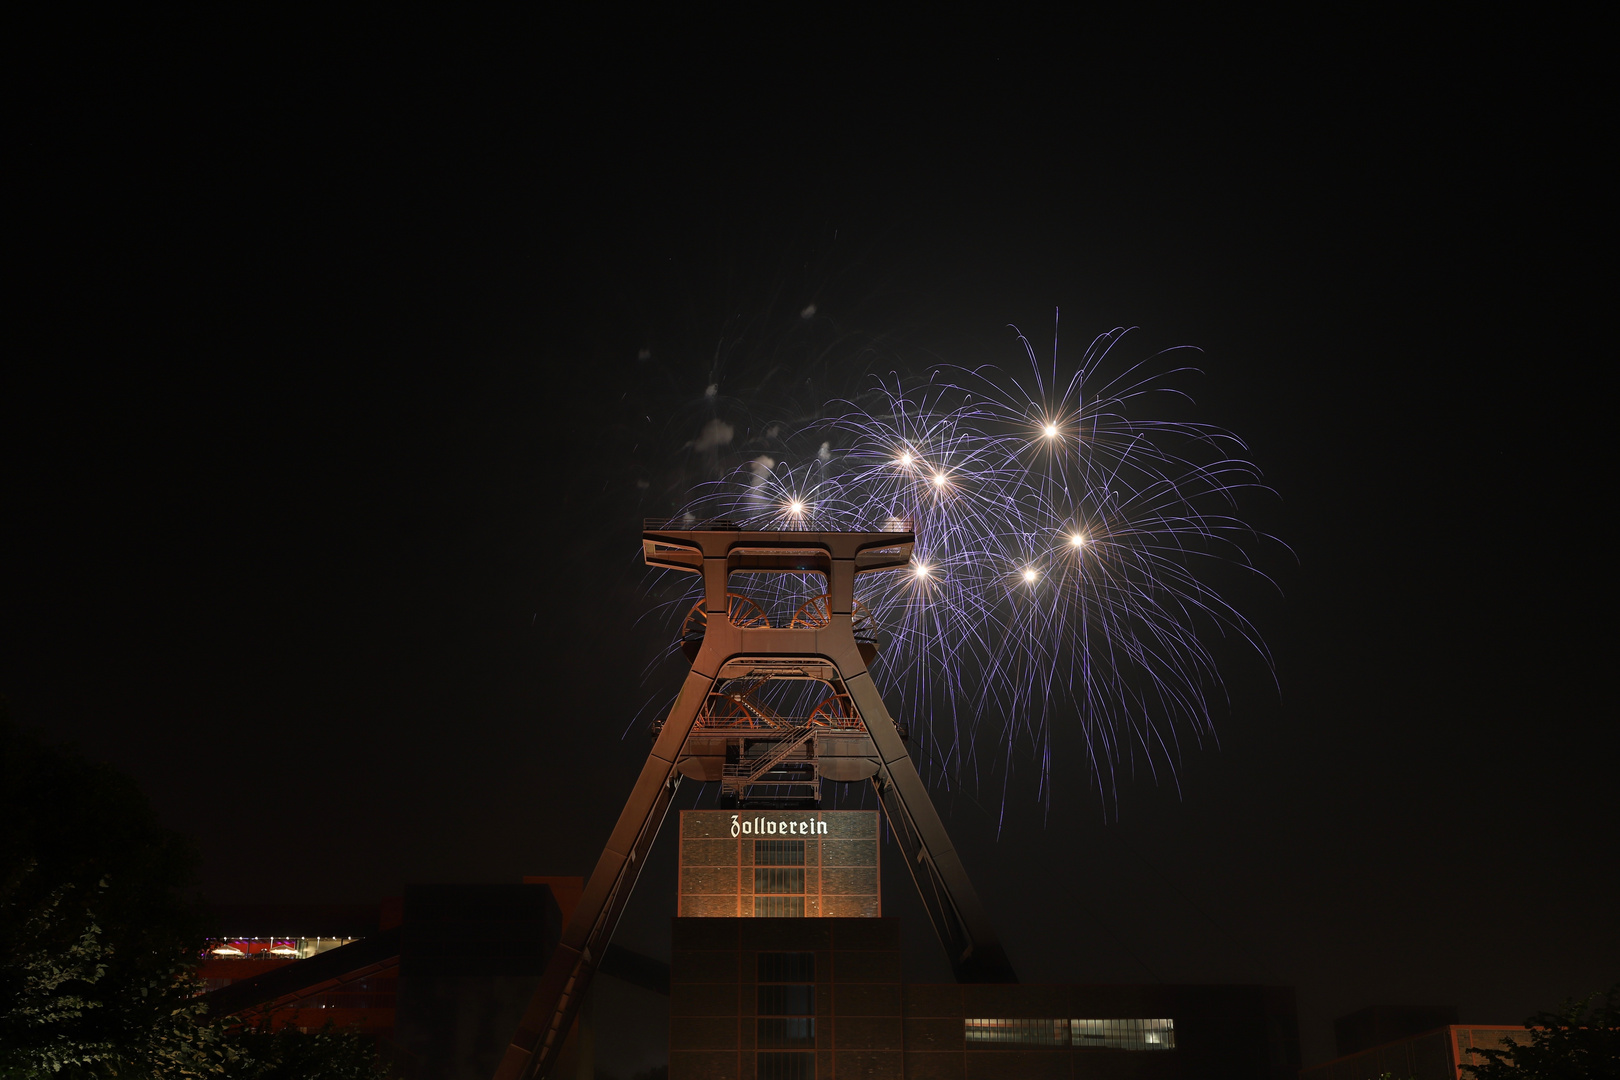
<point>685,545</point>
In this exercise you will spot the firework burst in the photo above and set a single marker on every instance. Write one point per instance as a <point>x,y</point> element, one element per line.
<point>1062,595</point>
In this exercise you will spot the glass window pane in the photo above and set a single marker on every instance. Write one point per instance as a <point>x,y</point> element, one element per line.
<point>1016,1032</point>
<point>778,880</point>
<point>1124,1034</point>
<point>787,1032</point>
<point>779,907</point>
<point>778,852</point>
<point>1109,1034</point>
<point>787,1000</point>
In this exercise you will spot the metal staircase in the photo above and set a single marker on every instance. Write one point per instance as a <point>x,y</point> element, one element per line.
<point>787,764</point>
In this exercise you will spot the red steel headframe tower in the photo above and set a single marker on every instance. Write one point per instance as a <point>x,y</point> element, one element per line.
<point>720,730</point>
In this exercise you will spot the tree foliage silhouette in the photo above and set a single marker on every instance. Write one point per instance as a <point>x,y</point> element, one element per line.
<point>1578,1042</point>
<point>99,942</point>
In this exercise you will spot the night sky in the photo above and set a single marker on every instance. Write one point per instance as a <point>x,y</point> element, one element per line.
<point>328,435</point>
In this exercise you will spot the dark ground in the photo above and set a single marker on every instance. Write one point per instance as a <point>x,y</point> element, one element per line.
<point>322,441</point>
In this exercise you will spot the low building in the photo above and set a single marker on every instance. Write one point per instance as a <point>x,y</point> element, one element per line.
<point>796,999</point>
<point>783,968</point>
<point>439,980</point>
<point>260,939</point>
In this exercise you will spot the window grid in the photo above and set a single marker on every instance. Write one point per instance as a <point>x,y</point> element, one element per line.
<point>778,880</point>
<point>786,1032</point>
<point>778,907</point>
<point>786,1065</point>
<point>787,989</point>
<point>1112,1034</point>
<point>1124,1034</point>
<point>786,967</point>
<point>778,852</point>
<point>790,1000</point>
<point>1018,1031</point>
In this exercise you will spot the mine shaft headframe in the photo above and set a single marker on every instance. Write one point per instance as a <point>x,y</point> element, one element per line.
<point>822,647</point>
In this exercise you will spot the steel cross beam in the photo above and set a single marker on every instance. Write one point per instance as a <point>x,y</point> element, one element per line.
<point>716,553</point>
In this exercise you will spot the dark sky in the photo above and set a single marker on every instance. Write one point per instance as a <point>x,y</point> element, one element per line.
<point>323,423</point>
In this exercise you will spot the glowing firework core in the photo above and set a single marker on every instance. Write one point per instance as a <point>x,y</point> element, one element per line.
<point>1077,540</point>
<point>1030,575</point>
<point>795,507</point>
<point>1051,431</point>
<point>939,479</point>
<point>905,459</point>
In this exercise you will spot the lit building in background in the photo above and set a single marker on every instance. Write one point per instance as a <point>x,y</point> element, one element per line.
<point>436,978</point>
<point>261,940</point>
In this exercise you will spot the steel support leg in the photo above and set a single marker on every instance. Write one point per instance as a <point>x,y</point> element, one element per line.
<point>556,1002</point>
<point>959,918</point>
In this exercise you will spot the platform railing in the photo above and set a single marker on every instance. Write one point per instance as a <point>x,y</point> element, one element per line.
<point>726,524</point>
<point>786,726</point>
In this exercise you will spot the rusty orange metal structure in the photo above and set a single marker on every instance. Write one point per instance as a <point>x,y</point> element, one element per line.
<point>720,729</point>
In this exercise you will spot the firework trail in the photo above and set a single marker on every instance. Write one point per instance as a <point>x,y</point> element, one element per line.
<point>1061,595</point>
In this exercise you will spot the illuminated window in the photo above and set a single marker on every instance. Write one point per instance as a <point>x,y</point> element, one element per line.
<point>272,948</point>
<point>778,852</point>
<point>1017,1032</point>
<point>786,1022</point>
<point>1117,1034</point>
<point>778,907</point>
<point>1124,1034</point>
<point>778,880</point>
